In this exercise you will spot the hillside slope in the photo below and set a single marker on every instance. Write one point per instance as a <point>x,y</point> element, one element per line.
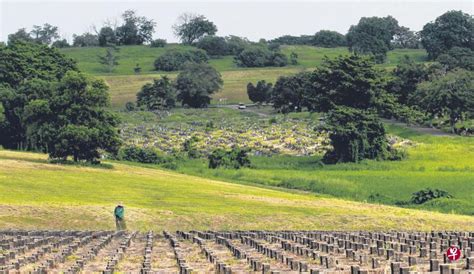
<point>36,194</point>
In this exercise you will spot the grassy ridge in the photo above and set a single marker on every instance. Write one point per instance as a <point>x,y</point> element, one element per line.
<point>36,194</point>
<point>124,83</point>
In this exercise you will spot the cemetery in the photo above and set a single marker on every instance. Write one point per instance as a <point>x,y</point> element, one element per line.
<point>224,252</point>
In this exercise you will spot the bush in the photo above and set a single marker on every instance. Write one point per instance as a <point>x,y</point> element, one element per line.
<point>213,45</point>
<point>395,154</point>
<point>175,60</point>
<point>158,43</point>
<point>141,155</point>
<point>259,56</point>
<point>130,106</point>
<point>428,194</point>
<point>235,158</point>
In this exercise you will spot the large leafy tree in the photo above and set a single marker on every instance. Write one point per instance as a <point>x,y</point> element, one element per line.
<point>405,38</point>
<point>372,35</point>
<point>451,95</point>
<point>213,45</point>
<point>20,35</point>
<point>288,94</point>
<point>85,40</point>
<point>157,96</point>
<point>452,29</point>
<point>355,135</point>
<point>350,81</point>
<point>196,83</point>
<point>45,34</point>
<point>259,93</point>
<point>107,37</point>
<point>457,57</point>
<point>191,27</point>
<point>135,29</point>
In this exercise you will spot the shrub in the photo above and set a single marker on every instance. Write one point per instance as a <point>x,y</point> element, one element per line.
<point>190,147</point>
<point>213,45</point>
<point>158,43</point>
<point>259,56</point>
<point>235,158</point>
<point>141,155</point>
<point>428,194</point>
<point>395,154</point>
<point>175,60</point>
<point>130,106</point>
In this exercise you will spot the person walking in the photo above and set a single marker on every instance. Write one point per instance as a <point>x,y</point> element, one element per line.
<point>119,213</point>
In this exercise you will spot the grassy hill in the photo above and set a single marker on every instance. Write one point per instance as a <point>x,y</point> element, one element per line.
<point>37,194</point>
<point>124,83</point>
<point>442,162</point>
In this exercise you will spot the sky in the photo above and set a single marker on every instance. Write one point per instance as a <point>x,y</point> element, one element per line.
<point>252,19</point>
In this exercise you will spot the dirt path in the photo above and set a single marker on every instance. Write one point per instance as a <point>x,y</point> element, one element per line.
<point>419,129</point>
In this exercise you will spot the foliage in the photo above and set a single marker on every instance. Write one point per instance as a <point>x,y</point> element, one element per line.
<point>428,194</point>
<point>109,59</point>
<point>406,39</point>
<point>61,44</point>
<point>158,43</point>
<point>260,56</point>
<point>236,44</point>
<point>176,59</point>
<point>130,106</point>
<point>372,35</point>
<point>289,92</point>
<point>141,155</point>
<point>213,45</point>
<point>20,35</point>
<point>196,83</point>
<point>294,40</point>
<point>191,27</point>
<point>449,95</point>
<point>259,93</point>
<point>355,135</point>
<point>235,158</point>
<point>135,30</point>
<point>107,37</point>
<point>406,76</point>
<point>190,147</point>
<point>294,58</point>
<point>329,39</point>
<point>157,96</point>
<point>451,29</point>
<point>457,57</point>
<point>45,34</point>
<point>350,81</point>
<point>85,40</point>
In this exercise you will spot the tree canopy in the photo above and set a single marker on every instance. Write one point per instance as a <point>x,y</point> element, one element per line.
<point>329,39</point>
<point>191,27</point>
<point>196,83</point>
<point>452,29</point>
<point>159,95</point>
<point>135,29</point>
<point>372,35</point>
<point>259,93</point>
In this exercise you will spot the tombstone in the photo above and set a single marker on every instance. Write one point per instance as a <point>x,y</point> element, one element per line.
<point>470,263</point>
<point>444,269</point>
<point>395,268</point>
<point>411,261</point>
<point>404,270</point>
<point>375,263</point>
<point>434,265</point>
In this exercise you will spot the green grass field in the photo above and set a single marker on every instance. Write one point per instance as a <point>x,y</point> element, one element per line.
<point>443,162</point>
<point>124,83</point>
<point>37,194</point>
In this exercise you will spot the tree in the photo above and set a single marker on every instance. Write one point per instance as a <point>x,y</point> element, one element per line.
<point>294,58</point>
<point>109,60</point>
<point>61,44</point>
<point>213,45</point>
<point>20,35</point>
<point>372,35</point>
<point>85,40</point>
<point>406,76</point>
<point>452,29</point>
<point>405,38</point>
<point>344,81</point>
<point>329,39</point>
<point>157,96</point>
<point>135,30</point>
<point>107,37</point>
<point>457,57</point>
<point>45,34</point>
<point>191,27</point>
<point>288,94</point>
<point>451,95</point>
<point>260,93</point>
<point>236,44</point>
<point>355,135</point>
<point>196,83</point>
